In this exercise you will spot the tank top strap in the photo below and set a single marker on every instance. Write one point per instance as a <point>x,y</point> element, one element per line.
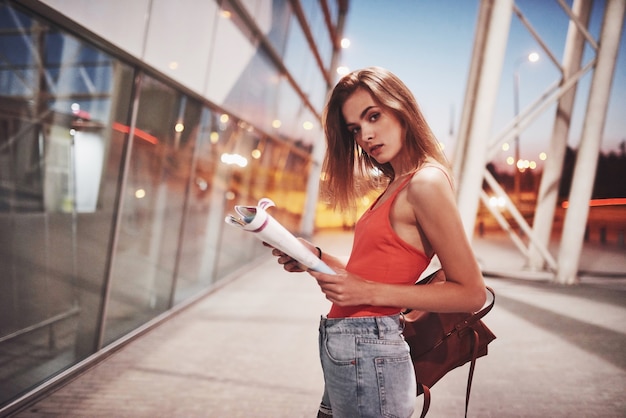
<point>393,195</point>
<point>406,181</point>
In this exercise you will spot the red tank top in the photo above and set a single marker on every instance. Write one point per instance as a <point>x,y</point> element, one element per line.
<point>379,254</point>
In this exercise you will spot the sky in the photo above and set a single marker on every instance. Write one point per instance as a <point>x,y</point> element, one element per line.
<point>428,44</point>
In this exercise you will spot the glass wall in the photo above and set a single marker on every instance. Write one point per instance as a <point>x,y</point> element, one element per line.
<point>60,169</point>
<point>115,182</point>
<point>151,207</point>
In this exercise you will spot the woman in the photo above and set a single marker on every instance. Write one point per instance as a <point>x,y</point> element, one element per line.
<point>372,120</point>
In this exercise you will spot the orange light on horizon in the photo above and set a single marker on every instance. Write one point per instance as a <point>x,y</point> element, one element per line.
<point>616,201</point>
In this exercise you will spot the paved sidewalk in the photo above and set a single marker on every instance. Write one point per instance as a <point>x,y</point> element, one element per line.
<point>560,351</point>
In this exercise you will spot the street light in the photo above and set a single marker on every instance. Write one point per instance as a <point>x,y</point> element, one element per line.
<point>532,57</point>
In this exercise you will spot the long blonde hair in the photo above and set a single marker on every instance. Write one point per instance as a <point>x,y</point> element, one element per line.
<point>343,154</point>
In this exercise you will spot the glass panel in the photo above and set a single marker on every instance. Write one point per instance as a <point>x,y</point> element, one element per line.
<point>272,169</point>
<point>253,95</point>
<point>204,214</point>
<point>291,200</point>
<point>298,55</point>
<point>233,176</point>
<point>317,25</point>
<point>152,208</point>
<point>60,160</point>
<point>288,105</point>
<point>281,13</point>
<point>301,63</point>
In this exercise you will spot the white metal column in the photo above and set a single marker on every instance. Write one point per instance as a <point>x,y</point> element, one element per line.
<point>489,47</point>
<point>553,168</point>
<point>587,159</point>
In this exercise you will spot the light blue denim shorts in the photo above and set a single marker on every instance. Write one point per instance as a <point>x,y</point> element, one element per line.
<point>367,368</point>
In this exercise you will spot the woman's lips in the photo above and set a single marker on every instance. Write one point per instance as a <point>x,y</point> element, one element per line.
<point>376,149</point>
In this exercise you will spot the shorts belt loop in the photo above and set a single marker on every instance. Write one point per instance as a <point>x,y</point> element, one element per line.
<point>380,327</point>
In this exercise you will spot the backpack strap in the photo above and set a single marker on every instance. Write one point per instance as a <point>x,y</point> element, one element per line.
<point>426,405</point>
<point>471,371</point>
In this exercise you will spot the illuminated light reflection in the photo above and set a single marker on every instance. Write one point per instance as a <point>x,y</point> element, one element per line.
<point>256,154</point>
<point>234,159</point>
<point>345,43</point>
<point>229,195</point>
<point>224,118</point>
<point>140,193</point>
<point>523,165</point>
<point>343,70</point>
<point>173,65</point>
<point>307,125</point>
<point>179,127</point>
<point>543,156</point>
<point>505,146</point>
<point>276,123</point>
<point>510,160</point>
<point>81,114</point>
<point>497,202</point>
<point>202,184</point>
<point>214,137</point>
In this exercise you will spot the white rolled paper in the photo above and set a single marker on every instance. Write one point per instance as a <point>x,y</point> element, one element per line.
<point>255,219</point>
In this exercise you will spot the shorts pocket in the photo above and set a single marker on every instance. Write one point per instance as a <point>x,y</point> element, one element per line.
<point>341,348</point>
<point>396,385</point>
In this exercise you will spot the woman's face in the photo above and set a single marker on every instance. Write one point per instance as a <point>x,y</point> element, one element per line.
<point>374,128</point>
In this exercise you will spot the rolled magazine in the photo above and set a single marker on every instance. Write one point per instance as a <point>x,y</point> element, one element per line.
<point>255,219</point>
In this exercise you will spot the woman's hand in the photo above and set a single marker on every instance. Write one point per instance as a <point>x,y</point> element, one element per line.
<point>290,264</point>
<point>343,288</point>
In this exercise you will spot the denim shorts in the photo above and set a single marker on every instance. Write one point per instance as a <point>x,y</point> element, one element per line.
<point>367,368</point>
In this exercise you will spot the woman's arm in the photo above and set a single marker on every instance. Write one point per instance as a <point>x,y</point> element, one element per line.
<point>432,201</point>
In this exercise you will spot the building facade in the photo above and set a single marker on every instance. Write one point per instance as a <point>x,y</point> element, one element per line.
<point>128,131</point>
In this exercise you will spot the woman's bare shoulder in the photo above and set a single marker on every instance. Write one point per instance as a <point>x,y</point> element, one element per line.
<point>431,179</point>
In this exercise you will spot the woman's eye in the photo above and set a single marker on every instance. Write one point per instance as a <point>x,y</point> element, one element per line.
<point>374,116</point>
<point>355,130</point>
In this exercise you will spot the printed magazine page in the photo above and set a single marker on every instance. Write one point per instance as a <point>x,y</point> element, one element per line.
<point>255,219</point>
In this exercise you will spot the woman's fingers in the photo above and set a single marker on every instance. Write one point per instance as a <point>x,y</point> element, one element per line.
<point>289,264</point>
<point>278,253</point>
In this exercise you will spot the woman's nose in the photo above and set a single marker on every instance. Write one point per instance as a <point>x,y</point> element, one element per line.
<point>367,133</point>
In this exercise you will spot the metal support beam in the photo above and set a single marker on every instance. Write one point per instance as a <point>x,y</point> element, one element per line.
<point>587,159</point>
<point>521,222</point>
<point>485,71</point>
<point>553,168</point>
